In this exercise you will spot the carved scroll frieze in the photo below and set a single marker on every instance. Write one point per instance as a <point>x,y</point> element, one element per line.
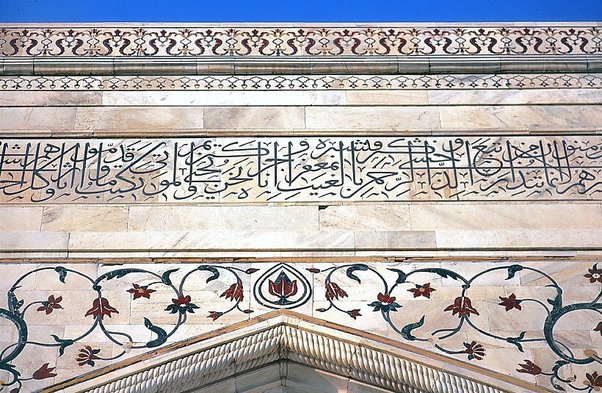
<point>297,169</point>
<point>319,41</point>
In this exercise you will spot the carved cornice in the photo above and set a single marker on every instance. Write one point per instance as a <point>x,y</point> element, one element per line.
<point>285,335</point>
<point>245,50</point>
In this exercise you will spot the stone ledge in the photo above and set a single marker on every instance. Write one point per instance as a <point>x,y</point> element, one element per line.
<point>343,65</point>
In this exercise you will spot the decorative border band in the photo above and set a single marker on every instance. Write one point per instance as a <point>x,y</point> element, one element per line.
<point>273,41</point>
<point>386,293</point>
<point>302,82</point>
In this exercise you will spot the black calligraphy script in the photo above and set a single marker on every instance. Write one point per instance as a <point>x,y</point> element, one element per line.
<point>296,169</point>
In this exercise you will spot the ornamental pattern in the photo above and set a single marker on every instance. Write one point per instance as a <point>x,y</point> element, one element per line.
<point>305,41</point>
<point>379,294</point>
<point>303,82</point>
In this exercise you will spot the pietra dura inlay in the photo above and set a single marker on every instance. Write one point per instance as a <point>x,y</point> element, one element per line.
<point>323,41</point>
<point>469,311</point>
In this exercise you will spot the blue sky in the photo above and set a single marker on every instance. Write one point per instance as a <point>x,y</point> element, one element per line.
<point>298,11</point>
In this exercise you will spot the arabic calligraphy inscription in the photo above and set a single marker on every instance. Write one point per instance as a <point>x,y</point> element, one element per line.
<point>313,169</point>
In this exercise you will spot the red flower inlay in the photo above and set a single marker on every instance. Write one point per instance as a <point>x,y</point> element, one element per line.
<point>462,306</point>
<point>234,292</point>
<point>182,300</point>
<point>44,372</point>
<point>100,308</point>
<point>182,305</point>
<point>384,298</point>
<point>354,313</point>
<point>593,380</point>
<point>215,315</point>
<point>333,291</point>
<point>282,287</point>
<point>51,304</point>
<point>474,350</point>
<point>140,291</point>
<point>529,368</point>
<point>594,274</point>
<point>313,270</point>
<point>422,290</point>
<point>510,302</point>
<point>87,356</point>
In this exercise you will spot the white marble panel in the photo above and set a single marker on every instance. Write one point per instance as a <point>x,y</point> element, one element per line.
<point>66,218</point>
<point>49,98</point>
<point>16,219</point>
<point>138,119</point>
<point>376,118</point>
<point>365,217</point>
<point>219,218</point>
<point>532,118</point>
<point>245,118</point>
<point>222,98</point>
<point>209,240</point>
<point>514,97</point>
<point>37,119</point>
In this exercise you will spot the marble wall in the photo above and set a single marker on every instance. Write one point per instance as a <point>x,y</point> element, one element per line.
<point>532,319</point>
<point>508,280</point>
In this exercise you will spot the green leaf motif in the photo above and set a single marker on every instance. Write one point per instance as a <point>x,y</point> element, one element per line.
<point>14,304</point>
<point>64,343</point>
<point>62,273</point>
<point>214,272</point>
<point>443,273</point>
<point>406,331</point>
<point>353,268</point>
<point>512,271</point>
<point>516,341</point>
<point>11,369</point>
<point>119,273</point>
<point>161,334</point>
<point>447,274</point>
<point>556,302</point>
<point>165,276</point>
<point>401,276</point>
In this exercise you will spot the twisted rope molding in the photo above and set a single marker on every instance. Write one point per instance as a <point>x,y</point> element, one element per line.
<point>301,82</point>
<point>322,41</point>
<point>284,338</point>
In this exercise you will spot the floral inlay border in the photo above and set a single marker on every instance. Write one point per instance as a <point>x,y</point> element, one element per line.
<point>292,41</point>
<point>463,308</point>
<point>285,286</point>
